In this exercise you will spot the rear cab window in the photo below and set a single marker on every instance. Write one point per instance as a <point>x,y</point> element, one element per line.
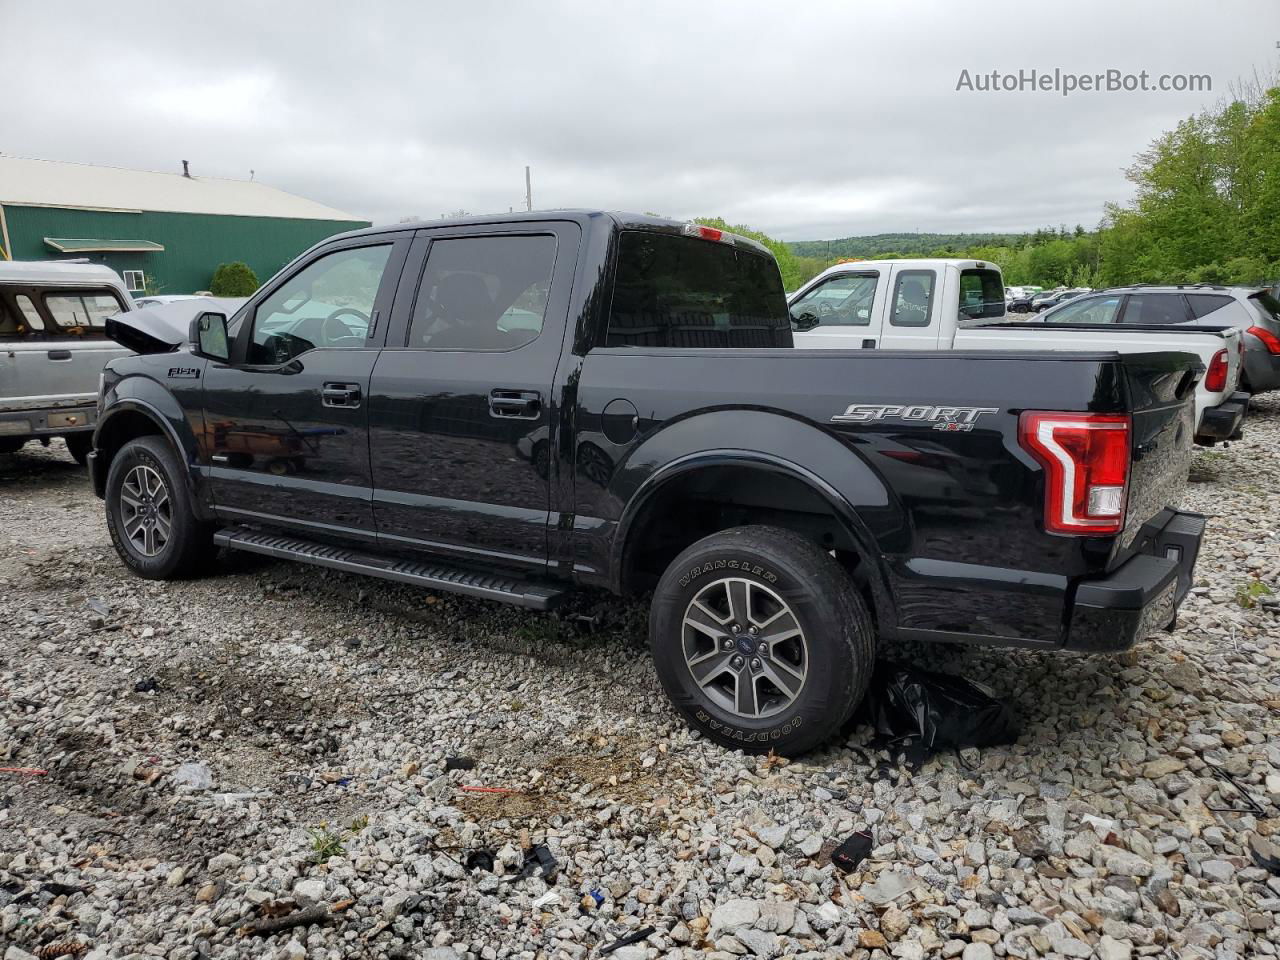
<point>981,293</point>
<point>687,292</point>
<point>80,313</point>
<point>19,318</point>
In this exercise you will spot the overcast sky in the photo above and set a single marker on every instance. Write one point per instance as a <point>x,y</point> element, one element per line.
<point>805,120</point>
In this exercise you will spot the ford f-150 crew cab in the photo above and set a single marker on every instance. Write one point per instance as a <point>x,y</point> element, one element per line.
<point>959,304</point>
<point>512,407</point>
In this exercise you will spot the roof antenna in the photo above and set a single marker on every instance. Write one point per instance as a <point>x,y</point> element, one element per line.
<point>186,171</point>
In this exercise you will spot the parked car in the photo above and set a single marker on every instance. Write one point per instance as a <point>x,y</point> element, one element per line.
<point>917,306</point>
<point>1255,313</point>
<point>1047,301</point>
<point>53,347</point>
<point>1019,304</point>
<point>786,507</point>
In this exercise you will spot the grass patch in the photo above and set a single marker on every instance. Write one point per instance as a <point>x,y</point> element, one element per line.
<point>1248,594</point>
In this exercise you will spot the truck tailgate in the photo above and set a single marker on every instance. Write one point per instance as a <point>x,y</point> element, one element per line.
<point>1161,391</point>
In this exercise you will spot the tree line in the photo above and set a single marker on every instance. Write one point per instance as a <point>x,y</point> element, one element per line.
<point>1206,209</point>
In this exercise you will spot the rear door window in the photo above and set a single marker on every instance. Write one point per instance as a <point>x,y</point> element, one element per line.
<point>843,301</point>
<point>1155,308</point>
<point>981,293</point>
<point>483,293</point>
<point>913,298</point>
<point>1203,304</point>
<point>676,291</point>
<point>81,313</point>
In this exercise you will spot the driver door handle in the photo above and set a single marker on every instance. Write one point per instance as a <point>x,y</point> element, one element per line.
<point>340,395</point>
<point>869,343</point>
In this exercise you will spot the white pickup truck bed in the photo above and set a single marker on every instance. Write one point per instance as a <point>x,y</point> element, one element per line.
<point>1220,410</point>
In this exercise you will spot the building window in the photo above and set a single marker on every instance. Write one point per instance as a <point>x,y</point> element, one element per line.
<point>135,281</point>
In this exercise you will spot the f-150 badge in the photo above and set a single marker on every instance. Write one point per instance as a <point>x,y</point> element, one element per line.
<point>947,419</point>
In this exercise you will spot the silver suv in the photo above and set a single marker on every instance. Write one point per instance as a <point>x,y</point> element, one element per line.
<point>53,347</point>
<point>1254,312</point>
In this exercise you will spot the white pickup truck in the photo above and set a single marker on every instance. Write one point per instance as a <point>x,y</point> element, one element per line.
<point>959,305</point>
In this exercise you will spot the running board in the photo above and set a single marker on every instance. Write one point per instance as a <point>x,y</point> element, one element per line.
<point>535,596</point>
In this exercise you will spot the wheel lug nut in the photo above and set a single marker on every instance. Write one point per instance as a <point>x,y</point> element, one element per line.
<point>753,630</point>
<point>755,663</point>
<point>736,662</point>
<point>726,643</point>
<point>734,627</point>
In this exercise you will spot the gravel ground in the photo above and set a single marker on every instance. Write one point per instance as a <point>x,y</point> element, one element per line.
<point>321,710</point>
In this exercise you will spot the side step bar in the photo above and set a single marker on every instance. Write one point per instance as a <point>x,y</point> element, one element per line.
<point>535,596</point>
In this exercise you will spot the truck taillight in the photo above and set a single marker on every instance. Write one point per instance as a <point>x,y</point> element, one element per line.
<point>1269,339</point>
<point>1216,379</point>
<point>1086,464</point>
<point>707,233</point>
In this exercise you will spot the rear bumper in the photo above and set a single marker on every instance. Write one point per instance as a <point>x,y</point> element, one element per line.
<point>1143,594</point>
<point>1225,421</point>
<point>48,421</point>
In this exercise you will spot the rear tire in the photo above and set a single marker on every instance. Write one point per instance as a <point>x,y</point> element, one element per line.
<point>791,674</point>
<point>79,445</point>
<point>150,516</point>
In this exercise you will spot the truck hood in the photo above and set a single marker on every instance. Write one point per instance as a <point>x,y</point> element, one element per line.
<point>163,327</point>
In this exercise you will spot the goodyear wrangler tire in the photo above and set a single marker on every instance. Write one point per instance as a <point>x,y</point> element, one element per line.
<point>152,523</point>
<point>761,640</point>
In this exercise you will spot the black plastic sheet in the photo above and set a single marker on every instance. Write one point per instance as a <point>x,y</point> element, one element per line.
<point>936,711</point>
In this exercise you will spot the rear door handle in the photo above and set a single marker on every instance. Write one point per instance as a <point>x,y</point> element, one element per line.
<point>59,354</point>
<point>340,395</point>
<point>520,404</point>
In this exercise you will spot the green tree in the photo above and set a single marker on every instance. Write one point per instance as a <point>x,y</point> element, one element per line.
<point>234,279</point>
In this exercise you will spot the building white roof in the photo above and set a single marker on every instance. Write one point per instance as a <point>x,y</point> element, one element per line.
<point>53,183</point>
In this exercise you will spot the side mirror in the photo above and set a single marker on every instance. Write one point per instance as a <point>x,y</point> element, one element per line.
<point>209,337</point>
<point>804,322</point>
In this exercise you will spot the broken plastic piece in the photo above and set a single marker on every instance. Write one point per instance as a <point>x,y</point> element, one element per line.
<point>194,775</point>
<point>471,788</point>
<point>641,934</point>
<point>145,686</point>
<point>547,899</point>
<point>935,710</point>
<point>539,861</point>
<point>25,771</point>
<point>852,852</point>
<point>458,763</point>
<point>479,860</point>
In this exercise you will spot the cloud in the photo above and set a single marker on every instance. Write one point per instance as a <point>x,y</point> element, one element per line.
<point>804,120</point>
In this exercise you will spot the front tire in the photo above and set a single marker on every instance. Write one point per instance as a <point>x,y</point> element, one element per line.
<point>150,517</point>
<point>761,640</point>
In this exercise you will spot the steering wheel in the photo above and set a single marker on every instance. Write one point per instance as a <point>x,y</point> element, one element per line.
<point>329,333</point>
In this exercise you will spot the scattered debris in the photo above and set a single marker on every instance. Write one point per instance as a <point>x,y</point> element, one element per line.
<point>458,763</point>
<point>547,899</point>
<point>1265,853</point>
<point>146,685</point>
<point>852,852</point>
<point>25,771</point>
<point>299,918</point>
<point>197,776</point>
<point>479,860</point>
<point>1251,805</point>
<point>469,788</point>
<point>591,900</point>
<point>98,606</point>
<point>642,934</point>
<point>540,862</point>
<point>61,948</point>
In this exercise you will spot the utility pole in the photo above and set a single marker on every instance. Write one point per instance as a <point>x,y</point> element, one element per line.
<point>528,190</point>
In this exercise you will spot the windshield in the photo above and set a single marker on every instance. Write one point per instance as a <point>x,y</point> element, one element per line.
<point>675,291</point>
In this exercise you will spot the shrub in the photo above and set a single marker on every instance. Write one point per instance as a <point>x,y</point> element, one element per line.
<point>233,280</point>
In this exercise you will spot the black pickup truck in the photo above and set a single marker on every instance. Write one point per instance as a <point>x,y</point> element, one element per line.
<point>514,407</point>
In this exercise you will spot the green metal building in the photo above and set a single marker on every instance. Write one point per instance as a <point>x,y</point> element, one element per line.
<point>165,233</point>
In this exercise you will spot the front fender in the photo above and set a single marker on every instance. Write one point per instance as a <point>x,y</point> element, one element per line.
<point>140,395</point>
